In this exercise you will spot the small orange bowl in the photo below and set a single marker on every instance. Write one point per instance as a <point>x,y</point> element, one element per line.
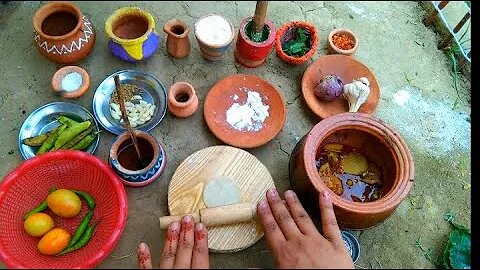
<point>60,75</point>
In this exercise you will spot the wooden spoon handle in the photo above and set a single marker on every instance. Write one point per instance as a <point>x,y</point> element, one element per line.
<point>260,14</point>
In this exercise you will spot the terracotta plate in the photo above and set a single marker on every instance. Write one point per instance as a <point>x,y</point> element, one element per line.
<point>347,69</point>
<point>221,97</point>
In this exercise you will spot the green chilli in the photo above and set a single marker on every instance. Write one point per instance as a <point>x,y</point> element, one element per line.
<point>81,229</point>
<point>83,240</point>
<point>87,197</point>
<point>39,208</point>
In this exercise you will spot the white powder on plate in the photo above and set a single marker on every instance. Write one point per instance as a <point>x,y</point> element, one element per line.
<point>250,115</point>
<point>72,81</point>
<point>213,30</point>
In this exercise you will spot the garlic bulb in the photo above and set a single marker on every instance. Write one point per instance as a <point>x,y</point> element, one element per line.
<point>356,93</point>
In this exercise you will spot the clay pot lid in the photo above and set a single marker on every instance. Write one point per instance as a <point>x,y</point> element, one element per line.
<point>61,73</point>
<point>221,97</point>
<point>335,49</point>
<point>347,69</point>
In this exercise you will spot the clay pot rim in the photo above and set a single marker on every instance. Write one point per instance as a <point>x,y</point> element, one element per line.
<point>267,42</point>
<point>140,134</point>
<point>179,88</point>
<point>210,45</point>
<point>313,48</point>
<point>375,127</point>
<point>129,11</point>
<point>60,74</point>
<point>175,22</point>
<point>51,8</point>
<point>154,177</point>
<point>343,31</point>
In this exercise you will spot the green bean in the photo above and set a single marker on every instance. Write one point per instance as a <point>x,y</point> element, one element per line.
<point>39,208</point>
<point>37,140</point>
<point>70,133</point>
<point>81,228</point>
<point>50,142</point>
<point>82,242</point>
<point>87,197</point>
<point>78,138</point>
<point>84,143</point>
<point>65,120</point>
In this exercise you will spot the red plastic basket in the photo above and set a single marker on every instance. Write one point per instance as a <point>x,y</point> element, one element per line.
<point>28,184</point>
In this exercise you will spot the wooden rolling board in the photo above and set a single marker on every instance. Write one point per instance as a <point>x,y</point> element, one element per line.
<point>185,192</point>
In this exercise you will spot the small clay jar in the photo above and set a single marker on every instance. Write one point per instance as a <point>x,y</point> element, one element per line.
<point>178,42</point>
<point>62,33</point>
<point>213,52</point>
<point>288,32</point>
<point>182,100</point>
<point>380,144</point>
<point>123,159</point>
<point>132,34</point>
<point>334,49</point>
<point>249,53</point>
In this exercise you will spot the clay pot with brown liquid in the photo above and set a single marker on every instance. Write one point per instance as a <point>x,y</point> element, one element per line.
<point>178,42</point>
<point>62,33</point>
<point>380,144</point>
<point>125,162</point>
<point>182,99</point>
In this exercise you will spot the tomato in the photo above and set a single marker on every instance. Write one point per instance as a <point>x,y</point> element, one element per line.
<point>38,224</point>
<point>53,241</point>
<point>64,203</point>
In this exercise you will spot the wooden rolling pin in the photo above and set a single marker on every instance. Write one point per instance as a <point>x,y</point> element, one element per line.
<point>216,216</point>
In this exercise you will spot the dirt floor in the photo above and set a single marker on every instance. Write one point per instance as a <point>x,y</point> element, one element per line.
<point>417,99</point>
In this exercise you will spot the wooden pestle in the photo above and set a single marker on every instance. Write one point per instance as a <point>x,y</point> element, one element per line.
<point>260,14</point>
<point>216,216</point>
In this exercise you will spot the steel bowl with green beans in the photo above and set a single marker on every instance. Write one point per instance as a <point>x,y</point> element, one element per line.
<point>58,126</point>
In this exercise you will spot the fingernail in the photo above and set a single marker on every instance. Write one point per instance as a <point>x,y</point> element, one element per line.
<point>199,227</point>
<point>273,193</point>
<point>326,195</point>
<point>290,194</point>
<point>187,218</point>
<point>175,226</point>
<point>142,247</point>
<point>263,204</point>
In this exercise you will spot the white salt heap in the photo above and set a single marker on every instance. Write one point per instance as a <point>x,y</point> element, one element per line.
<point>250,115</point>
<point>213,30</point>
<point>72,81</point>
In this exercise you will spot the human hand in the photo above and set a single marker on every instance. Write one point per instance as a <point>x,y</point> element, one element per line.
<point>293,238</point>
<point>186,246</point>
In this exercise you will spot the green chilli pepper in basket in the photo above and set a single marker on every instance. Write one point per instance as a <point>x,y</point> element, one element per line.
<point>78,138</point>
<point>83,240</point>
<point>39,208</point>
<point>70,133</point>
<point>81,228</point>
<point>50,142</point>
<point>87,197</point>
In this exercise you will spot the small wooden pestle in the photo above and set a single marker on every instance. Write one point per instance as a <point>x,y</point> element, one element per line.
<point>125,118</point>
<point>259,17</point>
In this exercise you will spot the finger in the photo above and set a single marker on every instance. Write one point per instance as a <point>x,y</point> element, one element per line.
<point>299,215</point>
<point>200,249</point>
<point>329,221</point>
<point>143,257</point>
<point>282,215</point>
<point>170,248</point>
<point>273,234</point>
<point>185,244</point>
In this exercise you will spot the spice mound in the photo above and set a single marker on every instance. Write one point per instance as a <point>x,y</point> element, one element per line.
<point>72,81</point>
<point>343,41</point>
<point>249,116</point>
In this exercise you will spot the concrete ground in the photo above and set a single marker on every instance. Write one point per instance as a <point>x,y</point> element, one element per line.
<point>416,99</point>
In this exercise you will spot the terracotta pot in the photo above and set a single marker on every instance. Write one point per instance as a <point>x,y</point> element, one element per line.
<point>182,100</point>
<point>288,32</point>
<point>178,42</point>
<point>334,49</point>
<point>212,52</point>
<point>249,53</point>
<point>132,34</point>
<point>60,75</point>
<point>379,143</point>
<point>150,149</point>
<point>62,33</point>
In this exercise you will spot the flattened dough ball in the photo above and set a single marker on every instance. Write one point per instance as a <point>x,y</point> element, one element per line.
<point>221,191</point>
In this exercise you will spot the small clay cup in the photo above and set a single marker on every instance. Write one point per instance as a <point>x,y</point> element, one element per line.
<point>178,42</point>
<point>334,49</point>
<point>212,52</point>
<point>182,99</point>
<point>61,73</point>
<point>288,32</point>
<point>144,176</point>
<point>381,145</point>
<point>62,33</point>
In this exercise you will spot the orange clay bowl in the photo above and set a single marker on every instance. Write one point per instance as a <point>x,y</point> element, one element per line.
<point>334,49</point>
<point>221,97</point>
<point>61,73</point>
<point>347,69</point>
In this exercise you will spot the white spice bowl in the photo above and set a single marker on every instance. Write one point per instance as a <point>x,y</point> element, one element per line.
<point>59,76</point>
